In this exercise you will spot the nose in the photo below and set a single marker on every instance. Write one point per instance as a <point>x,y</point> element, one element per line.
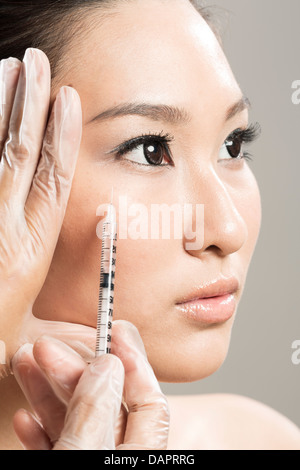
<point>221,227</point>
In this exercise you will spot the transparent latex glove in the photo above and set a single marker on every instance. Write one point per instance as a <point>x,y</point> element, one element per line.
<point>37,162</point>
<point>79,407</point>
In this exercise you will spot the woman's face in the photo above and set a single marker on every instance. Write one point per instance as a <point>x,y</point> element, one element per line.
<point>161,53</point>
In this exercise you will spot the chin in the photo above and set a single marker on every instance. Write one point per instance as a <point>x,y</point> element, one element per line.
<point>190,364</point>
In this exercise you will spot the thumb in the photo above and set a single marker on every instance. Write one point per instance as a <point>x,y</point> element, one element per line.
<point>80,338</point>
<point>94,408</point>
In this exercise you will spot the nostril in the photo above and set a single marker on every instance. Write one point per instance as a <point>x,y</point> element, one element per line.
<point>214,249</point>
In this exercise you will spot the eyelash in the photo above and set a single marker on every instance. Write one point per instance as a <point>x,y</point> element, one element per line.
<point>243,136</point>
<point>146,139</point>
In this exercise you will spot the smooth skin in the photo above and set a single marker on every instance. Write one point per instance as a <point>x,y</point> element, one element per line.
<point>183,65</point>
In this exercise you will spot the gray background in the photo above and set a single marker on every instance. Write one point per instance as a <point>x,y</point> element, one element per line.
<point>262,41</point>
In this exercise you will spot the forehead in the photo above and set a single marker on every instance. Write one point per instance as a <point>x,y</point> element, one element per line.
<point>156,51</point>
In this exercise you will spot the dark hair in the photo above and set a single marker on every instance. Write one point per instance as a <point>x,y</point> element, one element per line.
<point>49,25</point>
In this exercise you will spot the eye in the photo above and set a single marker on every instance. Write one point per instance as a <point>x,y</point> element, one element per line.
<point>232,148</point>
<point>233,145</point>
<point>151,153</point>
<point>147,150</point>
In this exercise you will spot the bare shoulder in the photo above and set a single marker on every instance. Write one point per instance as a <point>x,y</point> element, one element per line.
<point>227,421</point>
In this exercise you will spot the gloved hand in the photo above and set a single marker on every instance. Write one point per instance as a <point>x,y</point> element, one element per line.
<point>38,159</point>
<point>79,406</point>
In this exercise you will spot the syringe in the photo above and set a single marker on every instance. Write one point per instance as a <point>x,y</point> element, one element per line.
<point>107,279</point>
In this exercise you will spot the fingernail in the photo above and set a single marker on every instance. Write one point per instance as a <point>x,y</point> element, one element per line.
<point>32,64</point>
<point>36,67</point>
<point>2,353</point>
<point>68,123</point>
<point>29,57</point>
<point>129,334</point>
<point>9,70</point>
<point>25,349</point>
<point>59,348</point>
<point>69,97</point>
<point>105,363</point>
<point>20,363</point>
<point>11,62</point>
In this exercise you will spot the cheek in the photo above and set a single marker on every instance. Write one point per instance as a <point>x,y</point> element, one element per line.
<point>142,279</point>
<point>149,273</point>
<point>254,212</point>
<point>247,200</point>
<point>141,265</point>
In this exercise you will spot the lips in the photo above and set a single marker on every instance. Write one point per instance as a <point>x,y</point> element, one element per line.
<point>215,288</point>
<point>214,302</point>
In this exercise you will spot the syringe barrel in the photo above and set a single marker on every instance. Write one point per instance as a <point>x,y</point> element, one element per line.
<point>106,290</point>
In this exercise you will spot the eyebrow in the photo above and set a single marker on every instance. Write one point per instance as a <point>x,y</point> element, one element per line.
<point>163,112</point>
<point>237,108</point>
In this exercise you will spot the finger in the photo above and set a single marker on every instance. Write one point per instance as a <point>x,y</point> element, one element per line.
<point>29,431</point>
<point>120,426</point>
<point>80,338</point>
<point>94,407</point>
<point>9,75</point>
<point>148,412</point>
<point>62,366</point>
<point>26,127</point>
<point>47,201</point>
<point>49,410</point>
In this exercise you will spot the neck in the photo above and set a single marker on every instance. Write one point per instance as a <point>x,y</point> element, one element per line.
<point>11,399</point>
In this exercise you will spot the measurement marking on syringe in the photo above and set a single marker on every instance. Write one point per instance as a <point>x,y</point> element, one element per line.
<point>106,288</point>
